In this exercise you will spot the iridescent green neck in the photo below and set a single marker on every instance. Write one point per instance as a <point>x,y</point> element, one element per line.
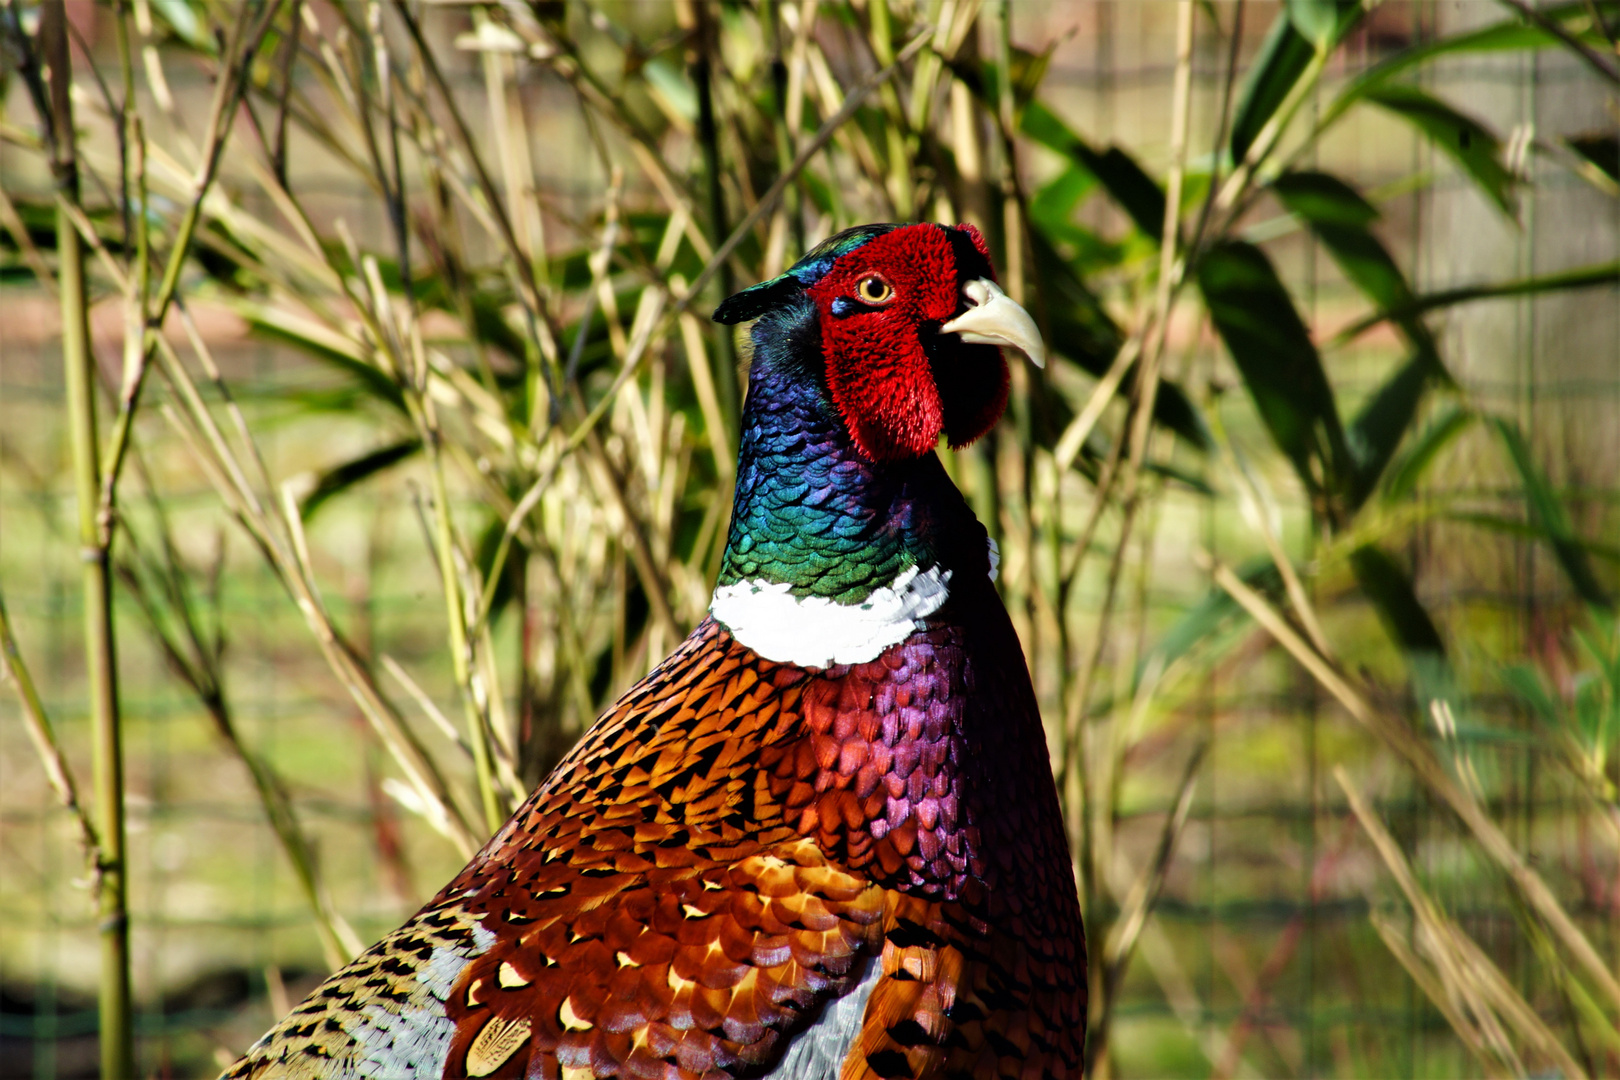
<point>810,512</point>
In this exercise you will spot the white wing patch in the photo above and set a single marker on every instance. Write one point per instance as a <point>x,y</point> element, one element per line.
<point>813,631</point>
<point>410,1041</point>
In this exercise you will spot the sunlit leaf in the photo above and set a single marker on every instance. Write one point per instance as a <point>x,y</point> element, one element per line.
<point>1382,423</point>
<point>1548,513</point>
<point>1322,22</point>
<point>1052,206</point>
<point>1256,319</point>
<point>1584,277</point>
<point>1402,478</point>
<point>674,88</point>
<point>1473,146</point>
<point>1045,127</point>
<point>341,478</point>
<point>182,18</point>
<point>1283,58</point>
<point>1390,590</point>
<point>1507,36</point>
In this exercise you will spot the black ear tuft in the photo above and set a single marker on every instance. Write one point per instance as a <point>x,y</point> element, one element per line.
<point>756,300</point>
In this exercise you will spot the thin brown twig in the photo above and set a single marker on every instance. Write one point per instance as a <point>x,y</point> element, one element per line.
<point>43,734</point>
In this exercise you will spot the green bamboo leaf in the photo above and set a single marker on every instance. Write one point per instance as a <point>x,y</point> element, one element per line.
<point>1027,70</point>
<point>324,345</point>
<point>182,19</point>
<point>1208,617</point>
<point>1547,512</point>
<point>1319,198</point>
<point>1583,277</point>
<point>340,478</point>
<point>505,586</point>
<point>1382,423</point>
<point>1390,590</point>
<point>1473,146</point>
<point>1079,326</point>
<point>1341,219</point>
<point>1322,22</point>
<point>1283,58</point>
<point>1126,182</point>
<point>1081,329</point>
<point>1045,127</point>
<point>1526,683</point>
<point>1403,476</point>
<point>1530,531</point>
<point>1511,35</point>
<point>1601,148</point>
<point>1370,268</point>
<point>1280,365</point>
<point>670,84</point>
<point>1052,206</point>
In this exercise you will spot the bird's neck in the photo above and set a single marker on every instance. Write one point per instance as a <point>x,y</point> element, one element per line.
<point>831,557</point>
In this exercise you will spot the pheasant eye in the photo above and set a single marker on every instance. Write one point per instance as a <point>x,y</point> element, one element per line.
<point>874,290</point>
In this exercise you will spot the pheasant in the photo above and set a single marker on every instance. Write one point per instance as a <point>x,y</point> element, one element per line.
<point>821,840</point>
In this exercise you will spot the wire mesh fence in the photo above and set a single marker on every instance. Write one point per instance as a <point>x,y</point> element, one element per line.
<point>1268,924</point>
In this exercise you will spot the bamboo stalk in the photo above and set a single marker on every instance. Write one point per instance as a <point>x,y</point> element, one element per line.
<point>702,72</point>
<point>1139,426</point>
<point>101,661</point>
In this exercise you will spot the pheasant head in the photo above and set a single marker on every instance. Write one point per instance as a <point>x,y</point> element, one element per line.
<point>909,320</point>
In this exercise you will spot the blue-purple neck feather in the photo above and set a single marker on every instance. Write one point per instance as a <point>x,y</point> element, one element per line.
<point>809,510</point>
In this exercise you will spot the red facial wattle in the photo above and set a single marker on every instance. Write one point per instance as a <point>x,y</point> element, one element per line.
<point>896,396</point>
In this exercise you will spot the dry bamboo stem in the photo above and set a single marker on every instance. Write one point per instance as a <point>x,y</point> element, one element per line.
<point>1462,964</point>
<point>40,730</point>
<point>101,661</point>
<point>1432,773</point>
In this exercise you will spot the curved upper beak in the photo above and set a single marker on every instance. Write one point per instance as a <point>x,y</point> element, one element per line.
<point>993,318</point>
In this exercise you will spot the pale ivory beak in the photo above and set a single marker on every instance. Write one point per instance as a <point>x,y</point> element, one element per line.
<point>995,319</point>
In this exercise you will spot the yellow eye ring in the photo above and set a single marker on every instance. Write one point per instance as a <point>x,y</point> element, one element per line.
<point>874,290</point>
